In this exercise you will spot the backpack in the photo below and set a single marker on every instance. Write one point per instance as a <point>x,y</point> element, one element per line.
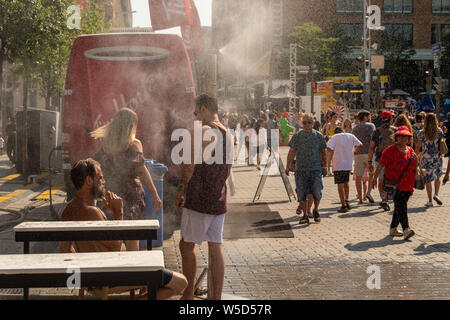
<point>387,138</point>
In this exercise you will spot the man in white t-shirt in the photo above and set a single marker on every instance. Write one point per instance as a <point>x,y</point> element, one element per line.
<point>342,147</point>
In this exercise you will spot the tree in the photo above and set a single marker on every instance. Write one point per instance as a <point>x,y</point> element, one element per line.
<point>402,71</point>
<point>21,33</point>
<point>51,64</point>
<point>339,63</point>
<point>314,47</point>
<point>330,50</point>
<point>445,58</point>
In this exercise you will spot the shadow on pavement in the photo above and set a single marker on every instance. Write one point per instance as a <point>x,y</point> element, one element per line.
<point>363,214</point>
<point>366,245</point>
<point>438,247</point>
<point>275,202</point>
<point>415,210</point>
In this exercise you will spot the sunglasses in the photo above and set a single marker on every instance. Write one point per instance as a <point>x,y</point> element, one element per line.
<point>307,122</point>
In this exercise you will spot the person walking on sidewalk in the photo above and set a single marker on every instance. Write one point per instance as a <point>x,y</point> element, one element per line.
<point>11,140</point>
<point>399,162</point>
<point>328,132</point>
<point>308,147</point>
<point>418,125</point>
<point>202,196</point>
<point>342,147</point>
<point>363,132</point>
<point>272,124</point>
<point>2,145</point>
<point>244,125</point>
<point>382,138</point>
<point>430,157</point>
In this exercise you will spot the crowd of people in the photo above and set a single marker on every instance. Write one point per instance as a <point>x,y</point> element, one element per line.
<point>387,152</point>
<point>392,153</point>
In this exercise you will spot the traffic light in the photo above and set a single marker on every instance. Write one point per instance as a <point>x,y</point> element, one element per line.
<point>428,81</point>
<point>314,85</point>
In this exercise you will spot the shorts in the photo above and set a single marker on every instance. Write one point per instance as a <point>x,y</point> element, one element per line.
<point>197,227</point>
<point>341,177</point>
<point>361,164</point>
<point>308,182</point>
<point>167,277</point>
<point>381,175</point>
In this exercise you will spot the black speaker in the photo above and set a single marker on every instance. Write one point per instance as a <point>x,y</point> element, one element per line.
<point>33,145</point>
<point>42,137</point>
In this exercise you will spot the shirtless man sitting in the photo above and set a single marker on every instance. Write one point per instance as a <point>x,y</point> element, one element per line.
<point>87,178</point>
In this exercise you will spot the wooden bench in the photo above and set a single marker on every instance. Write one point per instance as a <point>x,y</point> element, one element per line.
<point>97,269</point>
<point>85,231</point>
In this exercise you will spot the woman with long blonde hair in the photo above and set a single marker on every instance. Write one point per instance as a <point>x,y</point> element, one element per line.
<point>430,157</point>
<point>122,161</point>
<point>347,125</point>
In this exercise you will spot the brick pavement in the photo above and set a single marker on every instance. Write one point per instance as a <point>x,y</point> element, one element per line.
<point>328,260</point>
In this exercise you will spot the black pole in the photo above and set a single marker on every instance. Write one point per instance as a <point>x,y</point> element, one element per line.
<point>52,210</point>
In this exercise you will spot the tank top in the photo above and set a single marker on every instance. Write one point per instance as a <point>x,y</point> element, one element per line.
<point>207,190</point>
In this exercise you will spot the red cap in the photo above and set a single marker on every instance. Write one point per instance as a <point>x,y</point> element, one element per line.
<point>403,131</point>
<point>386,115</point>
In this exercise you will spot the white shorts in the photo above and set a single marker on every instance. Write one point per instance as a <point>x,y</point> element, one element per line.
<point>197,227</point>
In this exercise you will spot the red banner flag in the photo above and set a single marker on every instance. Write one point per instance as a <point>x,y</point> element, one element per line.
<point>167,14</point>
<point>192,33</point>
<point>82,3</point>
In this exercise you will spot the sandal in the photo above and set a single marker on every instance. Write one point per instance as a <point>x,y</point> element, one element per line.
<point>299,211</point>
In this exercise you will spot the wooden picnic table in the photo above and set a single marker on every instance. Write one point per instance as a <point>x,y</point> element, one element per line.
<point>121,268</point>
<point>85,231</point>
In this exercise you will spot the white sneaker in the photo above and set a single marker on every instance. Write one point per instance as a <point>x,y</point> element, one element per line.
<point>429,204</point>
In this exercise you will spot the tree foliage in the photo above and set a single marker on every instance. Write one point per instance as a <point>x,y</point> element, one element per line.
<point>402,71</point>
<point>326,49</point>
<point>445,58</point>
<point>35,37</point>
<point>54,57</point>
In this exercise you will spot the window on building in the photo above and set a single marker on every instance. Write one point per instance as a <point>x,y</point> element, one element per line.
<point>404,31</point>
<point>353,30</point>
<point>441,6</point>
<point>349,6</point>
<point>445,30</point>
<point>398,6</point>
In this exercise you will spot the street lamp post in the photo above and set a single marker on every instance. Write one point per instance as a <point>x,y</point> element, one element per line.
<point>311,69</point>
<point>293,81</point>
<point>366,53</point>
<point>372,21</point>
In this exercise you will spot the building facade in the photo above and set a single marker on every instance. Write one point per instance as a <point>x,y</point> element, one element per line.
<point>421,22</point>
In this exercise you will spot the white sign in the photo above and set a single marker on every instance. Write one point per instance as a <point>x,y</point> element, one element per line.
<point>374,18</point>
<point>377,62</point>
<point>436,62</point>
<point>174,7</point>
